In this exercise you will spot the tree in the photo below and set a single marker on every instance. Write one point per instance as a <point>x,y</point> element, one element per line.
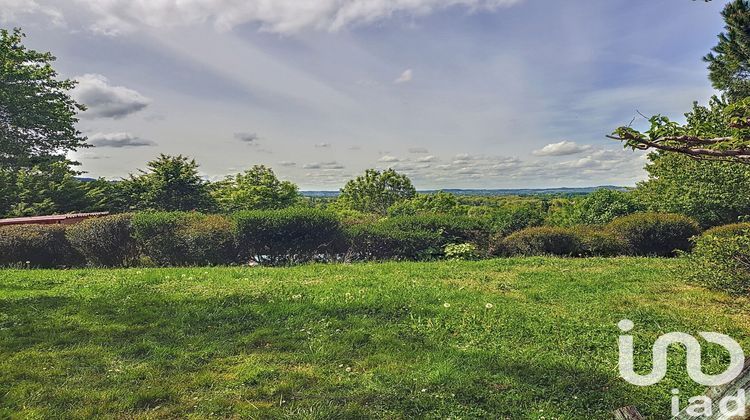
<point>713,193</point>
<point>257,188</point>
<point>171,183</point>
<point>375,191</point>
<point>720,131</point>
<point>598,208</point>
<point>37,115</point>
<point>729,61</point>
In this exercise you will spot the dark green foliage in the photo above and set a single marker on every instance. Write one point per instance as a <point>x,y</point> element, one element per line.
<point>597,208</point>
<point>508,217</point>
<point>600,242</point>
<point>104,241</point>
<point>542,240</point>
<point>178,239</point>
<point>171,183</point>
<point>656,234</point>
<point>385,241</point>
<point>290,235</point>
<point>721,259</point>
<point>729,63</point>
<point>37,246</point>
<point>375,191</point>
<point>37,115</point>
<point>452,229</point>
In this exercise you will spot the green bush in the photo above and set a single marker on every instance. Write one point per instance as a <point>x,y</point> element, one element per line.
<point>721,260</point>
<point>288,235</point>
<point>543,240</point>
<point>383,241</point>
<point>179,239</point>
<point>733,229</point>
<point>452,229</point>
<point>461,252</point>
<point>37,246</point>
<point>104,241</point>
<point>600,242</point>
<point>656,234</point>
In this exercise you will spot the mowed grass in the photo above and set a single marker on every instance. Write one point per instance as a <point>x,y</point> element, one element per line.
<point>512,338</point>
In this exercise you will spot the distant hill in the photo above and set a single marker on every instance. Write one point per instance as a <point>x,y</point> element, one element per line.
<point>494,192</point>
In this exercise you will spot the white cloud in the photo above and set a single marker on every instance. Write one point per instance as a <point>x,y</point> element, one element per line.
<point>118,140</point>
<point>11,10</point>
<point>388,159</point>
<point>106,101</point>
<point>418,150</point>
<point>280,16</point>
<point>323,145</point>
<point>429,158</point>
<point>405,77</point>
<point>287,163</point>
<point>563,148</point>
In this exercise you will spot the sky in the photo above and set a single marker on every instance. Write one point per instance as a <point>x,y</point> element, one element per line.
<point>453,93</point>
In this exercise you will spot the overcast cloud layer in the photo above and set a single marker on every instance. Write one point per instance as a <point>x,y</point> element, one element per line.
<point>455,93</point>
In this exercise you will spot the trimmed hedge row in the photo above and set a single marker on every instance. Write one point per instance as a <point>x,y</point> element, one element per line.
<point>304,234</point>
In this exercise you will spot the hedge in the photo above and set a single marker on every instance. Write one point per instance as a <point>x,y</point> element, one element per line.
<point>384,241</point>
<point>543,240</point>
<point>288,235</point>
<point>721,259</point>
<point>655,234</point>
<point>184,239</point>
<point>43,246</point>
<point>104,241</point>
<point>452,229</point>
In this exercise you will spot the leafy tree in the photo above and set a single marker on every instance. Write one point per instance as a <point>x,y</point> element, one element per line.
<point>258,188</point>
<point>598,208</point>
<point>375,191</point>
<point>37,115</point>
<point>713,193</point>
<point>45,189</point>
<point>171,183</point>
<point>729,61</point>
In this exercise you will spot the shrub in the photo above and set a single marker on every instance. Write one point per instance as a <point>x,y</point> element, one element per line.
<point>104,241</point>
<point>733,229</point>
<point>288,235</point>
<point>176,238</point>
<point>452,229</point>
<point>600,242</point>
<point>381,241</point>
<point>461,252</point>
<point>37,246</point>
<point>721,260</point>
<point>656,234</point>
<point>543,240</point>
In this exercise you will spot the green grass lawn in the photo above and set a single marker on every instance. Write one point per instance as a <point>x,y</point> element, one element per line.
<point>513,338</point>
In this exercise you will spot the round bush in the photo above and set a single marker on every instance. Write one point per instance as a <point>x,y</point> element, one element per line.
<point>656,234</point>
<point>287,235</point>
<point>452,229</point>
<point>733,229</point>
<point>184,239</point>
<point>104,241</point>
<point>37,246</point>
<point>543,240</point>
<point>721,260</point>
<point>600,242</point>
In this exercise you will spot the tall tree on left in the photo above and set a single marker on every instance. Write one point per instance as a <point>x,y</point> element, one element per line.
<point>37,114</point>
